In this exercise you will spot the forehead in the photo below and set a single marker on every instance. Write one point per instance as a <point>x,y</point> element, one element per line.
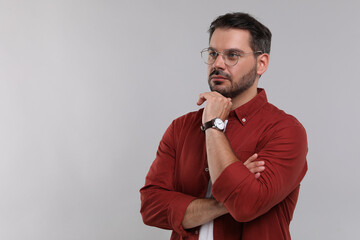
<point>230,38</point>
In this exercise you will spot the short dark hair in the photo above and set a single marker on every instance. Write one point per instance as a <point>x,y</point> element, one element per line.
<point>260,35</point>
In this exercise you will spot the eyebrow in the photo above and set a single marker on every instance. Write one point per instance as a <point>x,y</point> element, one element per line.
<point>230,49</point>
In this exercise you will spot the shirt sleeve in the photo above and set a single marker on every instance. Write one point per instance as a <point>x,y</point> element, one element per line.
<point>161,205</point>
<point>245,197</point>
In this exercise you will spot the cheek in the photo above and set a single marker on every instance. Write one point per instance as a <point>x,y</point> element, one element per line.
<point>209,70</point>
<point>240,70</point>
<point>233,73</point>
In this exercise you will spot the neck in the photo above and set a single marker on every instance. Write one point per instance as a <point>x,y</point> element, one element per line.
<point>244,97</point>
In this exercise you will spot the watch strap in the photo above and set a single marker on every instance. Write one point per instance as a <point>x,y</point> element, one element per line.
<point>207,125</point>
<point>210,124</point>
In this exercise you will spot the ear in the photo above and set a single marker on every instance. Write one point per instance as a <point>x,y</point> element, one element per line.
<point>262,63</point>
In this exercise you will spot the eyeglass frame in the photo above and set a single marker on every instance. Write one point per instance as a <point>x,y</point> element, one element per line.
<point>223,57</point>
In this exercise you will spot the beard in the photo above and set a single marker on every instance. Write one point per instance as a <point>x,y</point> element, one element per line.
<point>236,88</point>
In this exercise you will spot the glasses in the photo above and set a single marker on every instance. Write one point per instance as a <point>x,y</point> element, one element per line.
<point>230,56</point>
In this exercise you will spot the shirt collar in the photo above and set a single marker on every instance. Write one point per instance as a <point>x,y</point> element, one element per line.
<point>245,112</point>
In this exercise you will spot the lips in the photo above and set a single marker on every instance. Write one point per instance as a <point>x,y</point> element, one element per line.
<point>218,76</point>
<point>217,79</point>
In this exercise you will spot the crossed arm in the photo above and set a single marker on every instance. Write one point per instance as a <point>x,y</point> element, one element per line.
<point>203,210</point>
<point>245,198</point>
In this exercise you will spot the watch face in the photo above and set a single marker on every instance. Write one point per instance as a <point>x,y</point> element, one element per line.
<point>219,124</point>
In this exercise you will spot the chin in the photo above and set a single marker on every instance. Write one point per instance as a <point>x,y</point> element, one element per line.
<point>222,91</point>
<point>219,88</point>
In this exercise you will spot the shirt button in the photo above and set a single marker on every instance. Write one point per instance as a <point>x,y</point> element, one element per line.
<point>243,120</point>
<point>196,232</point>
<point>206,169</point>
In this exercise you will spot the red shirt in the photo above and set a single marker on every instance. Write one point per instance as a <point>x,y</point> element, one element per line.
<point>258,208</point>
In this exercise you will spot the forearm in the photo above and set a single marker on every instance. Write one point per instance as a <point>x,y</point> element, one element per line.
<point>246,197</point>
<point>219,153</point>
<point>201,211</point>
<point>164,208</point>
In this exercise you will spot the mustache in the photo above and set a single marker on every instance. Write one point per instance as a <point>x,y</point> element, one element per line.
<point>219,72</point>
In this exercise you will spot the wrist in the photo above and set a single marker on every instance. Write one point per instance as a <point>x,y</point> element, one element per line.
<point>222,208</point>
<point>215,123</point>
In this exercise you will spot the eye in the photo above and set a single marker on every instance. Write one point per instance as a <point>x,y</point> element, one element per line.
<point>232,56</point>
<point>212,54</point>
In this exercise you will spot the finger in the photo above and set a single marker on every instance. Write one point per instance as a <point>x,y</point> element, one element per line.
<point>202,98</point>
<point>215,95</point>
<point>250,165</point>
<point>257,175</point>
<point>200,101</point>
<point>255,166</point>
<point>251,159</point>
<point>257,169</point>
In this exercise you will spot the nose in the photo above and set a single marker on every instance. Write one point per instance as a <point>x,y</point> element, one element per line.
<point>219,62</point>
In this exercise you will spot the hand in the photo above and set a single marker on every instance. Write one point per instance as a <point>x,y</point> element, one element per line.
<point>217,106</point>
<point>255,166</point>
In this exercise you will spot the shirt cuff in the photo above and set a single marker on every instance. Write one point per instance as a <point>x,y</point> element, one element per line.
<point>176,213</point>
<point>229,180</point>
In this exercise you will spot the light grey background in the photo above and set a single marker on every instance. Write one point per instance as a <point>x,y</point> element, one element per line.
<point>87,88</point>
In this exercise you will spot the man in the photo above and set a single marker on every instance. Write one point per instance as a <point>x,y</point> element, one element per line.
<point>238,177</point>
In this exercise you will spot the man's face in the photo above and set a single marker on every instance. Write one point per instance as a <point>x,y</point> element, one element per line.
<point>231,81</point>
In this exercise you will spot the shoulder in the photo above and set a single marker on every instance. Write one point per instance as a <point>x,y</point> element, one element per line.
<point>281,126</point>
<point>279,118</point>
<point>188,119</point>
<point>184,126</point>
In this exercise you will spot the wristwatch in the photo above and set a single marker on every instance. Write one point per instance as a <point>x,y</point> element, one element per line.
<point>216,123</point>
